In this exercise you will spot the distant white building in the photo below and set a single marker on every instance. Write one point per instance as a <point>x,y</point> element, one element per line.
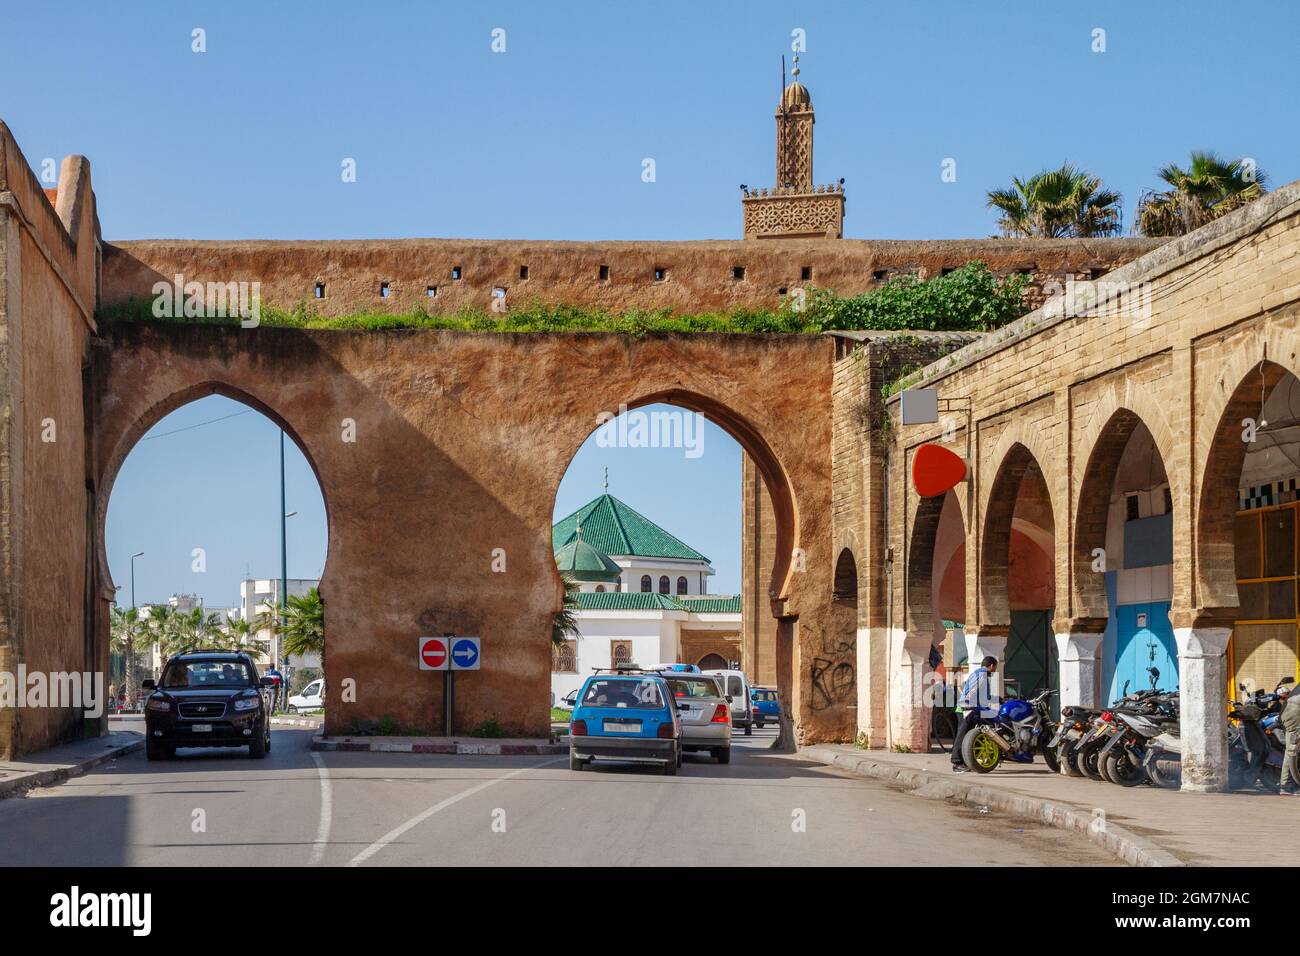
<point>643,596</point>
<point>257,596</point>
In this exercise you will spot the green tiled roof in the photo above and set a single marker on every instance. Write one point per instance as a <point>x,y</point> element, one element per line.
<point>653,601</point>
<point>712,604</point>
<point>626,600</point>
<point>582,562</point>
<point>614,528</point>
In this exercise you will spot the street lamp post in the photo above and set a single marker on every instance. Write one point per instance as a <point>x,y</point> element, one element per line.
<point>138,554</point>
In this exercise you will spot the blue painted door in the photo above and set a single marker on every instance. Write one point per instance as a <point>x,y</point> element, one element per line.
<point>1143,638</point>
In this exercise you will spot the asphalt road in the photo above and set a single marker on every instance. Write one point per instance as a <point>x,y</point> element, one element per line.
<point>221,808</point>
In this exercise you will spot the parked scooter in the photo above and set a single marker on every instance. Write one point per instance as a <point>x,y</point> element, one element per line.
<point>1258,739</point>
<point>1021,729</point>
<point>1075,723</point>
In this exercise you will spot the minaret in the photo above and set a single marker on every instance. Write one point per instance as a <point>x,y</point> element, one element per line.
<point>795,208</point>
<point>794,135</point>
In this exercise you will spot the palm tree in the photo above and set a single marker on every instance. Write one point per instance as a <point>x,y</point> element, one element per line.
<point>240,631</point>
<point>124,626</point>
<point>304,626</point>
<point>1207,189</point>
<point>565,623</point>
<point>1056,204</point>
<point>160,625</point>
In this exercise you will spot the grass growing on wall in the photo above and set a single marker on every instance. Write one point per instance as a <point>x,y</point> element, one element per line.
<point>968,299</point>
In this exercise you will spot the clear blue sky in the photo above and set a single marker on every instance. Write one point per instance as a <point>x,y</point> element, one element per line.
<point>546,141</point>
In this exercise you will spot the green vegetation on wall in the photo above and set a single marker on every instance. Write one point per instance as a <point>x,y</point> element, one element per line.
<point>967,299</point>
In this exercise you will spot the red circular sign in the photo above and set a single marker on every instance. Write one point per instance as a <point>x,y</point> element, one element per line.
<point>434,652</point>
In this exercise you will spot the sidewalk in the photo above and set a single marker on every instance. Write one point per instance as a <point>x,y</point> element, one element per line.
<point>67,760</point>
<point>1142,825</point>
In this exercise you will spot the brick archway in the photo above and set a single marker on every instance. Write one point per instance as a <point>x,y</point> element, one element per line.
<point>1113,423</point>
<point>1216,578</point>
<point>1015,466</point>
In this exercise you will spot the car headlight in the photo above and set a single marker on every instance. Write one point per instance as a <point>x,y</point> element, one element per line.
<point>246,703</point>
<point>158,704</point>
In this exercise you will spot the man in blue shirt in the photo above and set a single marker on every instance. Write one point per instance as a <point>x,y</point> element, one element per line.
<point>977,701</point>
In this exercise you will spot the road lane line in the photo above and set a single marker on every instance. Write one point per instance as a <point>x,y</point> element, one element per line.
<point>326,812</point>
<point>419,818</point>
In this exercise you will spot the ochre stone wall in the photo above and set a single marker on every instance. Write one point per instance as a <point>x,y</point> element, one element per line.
<point>462,440</point>
<point>47,296</point>
<point>698,277</point>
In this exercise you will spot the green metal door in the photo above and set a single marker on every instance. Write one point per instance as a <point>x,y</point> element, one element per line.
<point>1031,663</point>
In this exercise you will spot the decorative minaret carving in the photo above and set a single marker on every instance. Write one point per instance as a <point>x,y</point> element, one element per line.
<point>795,207</point>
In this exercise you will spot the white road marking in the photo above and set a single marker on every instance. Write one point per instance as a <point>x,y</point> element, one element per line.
<point>419,818</point>
<point>326,812</point>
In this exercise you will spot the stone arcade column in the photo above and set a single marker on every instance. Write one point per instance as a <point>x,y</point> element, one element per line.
<point>908,702</point>
<point>1079,656</point>
<point>1203,683</point>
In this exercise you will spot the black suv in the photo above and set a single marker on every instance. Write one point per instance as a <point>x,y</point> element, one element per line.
<point>208,699</point>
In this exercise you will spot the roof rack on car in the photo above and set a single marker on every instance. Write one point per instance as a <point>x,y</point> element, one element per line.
<point>623,669</point>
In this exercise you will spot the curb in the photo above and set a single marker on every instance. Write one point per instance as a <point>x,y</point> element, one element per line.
<point>314,723</point>
<point>1128,846</point>
<point>22,782</point>
<point>435,745</point>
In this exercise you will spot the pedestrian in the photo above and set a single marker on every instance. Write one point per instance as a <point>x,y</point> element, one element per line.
<point>977,702</point>
<point>1290,721</point>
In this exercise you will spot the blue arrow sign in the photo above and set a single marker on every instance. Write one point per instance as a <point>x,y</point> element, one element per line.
<point>464,654</point>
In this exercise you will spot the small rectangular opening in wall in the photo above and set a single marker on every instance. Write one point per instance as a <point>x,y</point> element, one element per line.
<point>660,274</point>
<point>805,273</point>
<point>320,290</point>
<point>1095,274</point>
<point>523,272</point>
<point>383,290</point>
<point>455,273</point>
<point>738,273</point>
<point>430,291</point>
<point>947,271</point>
<point>604,273</point>
<point>1028,271</point>
<point>880,275</point>
<point>499,292</point>
<point>1132,510</point>
<point>782,290</point>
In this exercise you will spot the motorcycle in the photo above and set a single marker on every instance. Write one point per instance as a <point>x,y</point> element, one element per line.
<point>1258,742</point>
<point>1020,728</point>
<point>1148,746</point>
<point>1075,723</point>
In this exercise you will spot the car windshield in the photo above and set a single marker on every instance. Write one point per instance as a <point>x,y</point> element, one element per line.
<point>629,692</point>
<point>206,674</point>
<point>695,687</point>
<point>764,695</point>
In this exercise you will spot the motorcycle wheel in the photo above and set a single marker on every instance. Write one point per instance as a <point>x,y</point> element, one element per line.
<point>980,752</point>
<point>1085,761</point>
<point>1049,755</point>
<point>1065,759</point>
<point>1120,768</point>
<point>1171,778</point>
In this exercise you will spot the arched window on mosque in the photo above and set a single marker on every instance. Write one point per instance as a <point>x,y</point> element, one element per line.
<point>681,585</point>
<point>645,583</point>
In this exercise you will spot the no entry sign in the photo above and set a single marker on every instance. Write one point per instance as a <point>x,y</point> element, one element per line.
<point>433,653</point>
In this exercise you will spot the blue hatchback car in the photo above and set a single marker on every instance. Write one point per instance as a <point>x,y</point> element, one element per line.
<point>766,706</point>
<point>627,716</point>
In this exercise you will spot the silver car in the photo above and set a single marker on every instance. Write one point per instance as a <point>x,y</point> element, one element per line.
<point>704,711</point>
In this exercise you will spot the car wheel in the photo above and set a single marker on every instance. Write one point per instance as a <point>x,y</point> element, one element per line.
<point>722,755</point>
<point>290,709</point>
<point>670,766</point>
<point>576,762</point>
<point>257,746</point>
<point>155,749</point>
<point>759,725</point>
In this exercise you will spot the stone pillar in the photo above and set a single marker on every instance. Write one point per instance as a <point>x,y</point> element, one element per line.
<point>1203,683</point>
<point>1080,669</point>
<point>909,706</point>
<point>988,640</point>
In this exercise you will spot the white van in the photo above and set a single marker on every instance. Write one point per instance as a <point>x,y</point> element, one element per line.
<point>736,686</point>
<point>311,698</point>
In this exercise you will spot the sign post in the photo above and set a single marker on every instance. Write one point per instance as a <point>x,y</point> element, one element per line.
<point>449,654</point>
<point>433,656</point>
